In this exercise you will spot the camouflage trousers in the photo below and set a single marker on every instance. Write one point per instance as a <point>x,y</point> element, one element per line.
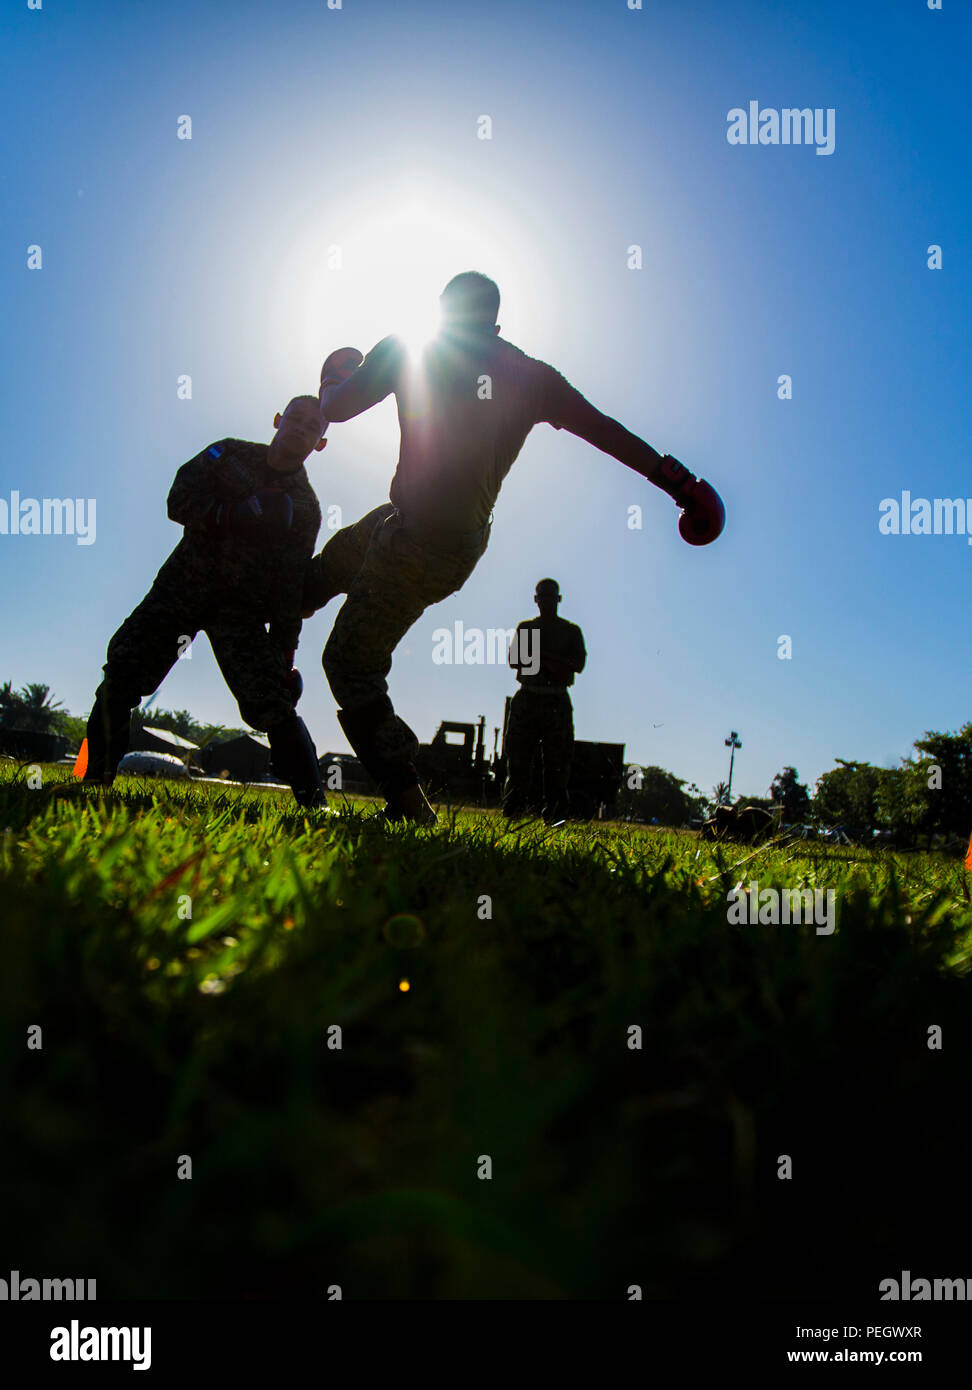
<point>391,572</point>
<point>537,747</point>
<point>150,641</point>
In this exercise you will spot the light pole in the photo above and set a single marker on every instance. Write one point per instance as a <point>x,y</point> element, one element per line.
<point>733,742</point>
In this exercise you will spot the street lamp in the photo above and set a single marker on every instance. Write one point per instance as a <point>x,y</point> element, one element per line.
<point>733,742</point>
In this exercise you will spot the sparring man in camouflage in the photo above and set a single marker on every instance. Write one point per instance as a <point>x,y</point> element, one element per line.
<point>546,653</point>
<point>465,409</point>
<point>251,520</point>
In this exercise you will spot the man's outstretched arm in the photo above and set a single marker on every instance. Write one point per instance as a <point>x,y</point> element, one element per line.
<point>576,414</point>
<point>704,515</point>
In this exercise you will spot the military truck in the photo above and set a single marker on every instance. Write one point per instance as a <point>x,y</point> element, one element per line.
<point>455,766</point>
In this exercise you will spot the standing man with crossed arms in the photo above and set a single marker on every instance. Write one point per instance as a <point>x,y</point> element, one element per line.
<point>465,409</point>
<point>546,653</point>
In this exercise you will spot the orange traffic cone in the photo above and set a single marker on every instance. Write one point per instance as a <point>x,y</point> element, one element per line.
<point>968,857</point>
<point>81,766</point>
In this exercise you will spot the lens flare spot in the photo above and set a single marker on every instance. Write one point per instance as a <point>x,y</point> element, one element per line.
<point>404,931</point>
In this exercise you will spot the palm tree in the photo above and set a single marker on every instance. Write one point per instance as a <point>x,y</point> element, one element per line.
<point>720,793</point>
<point>37,710</point>
<point>9,705</point>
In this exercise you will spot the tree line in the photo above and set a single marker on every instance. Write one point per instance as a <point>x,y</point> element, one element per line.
<point>927,799</point>
<point>34,708</point>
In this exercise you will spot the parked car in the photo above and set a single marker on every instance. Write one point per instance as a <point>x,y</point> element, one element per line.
<point>145,764</point>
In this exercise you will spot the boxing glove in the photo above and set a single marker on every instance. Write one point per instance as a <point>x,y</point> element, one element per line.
<point>269,511</point>
<point>339,365</point>
<point>293,681</point>
<point>703,513</point>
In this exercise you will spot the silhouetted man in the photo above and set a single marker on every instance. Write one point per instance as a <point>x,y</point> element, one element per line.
<point>547,653</point>
<point>465,408</point>
<point>251,520</point>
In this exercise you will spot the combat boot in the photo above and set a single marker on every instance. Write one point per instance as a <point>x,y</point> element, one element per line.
<point>107,735</point>
<point>294,760</point>
<point>411,805</point>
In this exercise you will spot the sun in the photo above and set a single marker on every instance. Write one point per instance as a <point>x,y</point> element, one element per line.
<point>405,248</point>
<point>419,247</point>
<point>376,264</point>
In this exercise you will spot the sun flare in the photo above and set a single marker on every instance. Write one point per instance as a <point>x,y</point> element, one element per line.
<point>395,256</point>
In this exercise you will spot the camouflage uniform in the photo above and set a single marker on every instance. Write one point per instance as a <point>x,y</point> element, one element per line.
<point>541,717</point>
<point>333,570</point>
<point>391,573</point>
<point>465,410</point>
<point>229,586</point>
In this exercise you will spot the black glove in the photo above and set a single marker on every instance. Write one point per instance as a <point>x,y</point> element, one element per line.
<point>269,511</point>
<point>293,681</point>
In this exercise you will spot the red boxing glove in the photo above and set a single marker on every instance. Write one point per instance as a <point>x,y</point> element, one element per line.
<point>293,681</point>
<point>704,514</point>
<point>339,365</point>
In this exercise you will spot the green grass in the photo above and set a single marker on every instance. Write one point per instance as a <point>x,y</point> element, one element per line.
<point>168,1035</point>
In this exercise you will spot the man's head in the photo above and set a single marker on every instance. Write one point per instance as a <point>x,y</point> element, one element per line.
<point>298,434</point>
<point>547,597</point>
<point>470,302</point>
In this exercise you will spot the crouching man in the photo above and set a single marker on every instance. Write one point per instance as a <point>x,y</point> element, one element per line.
<point>251,520</point>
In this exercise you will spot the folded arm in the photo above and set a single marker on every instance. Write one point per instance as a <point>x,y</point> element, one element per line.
<point>560,665</point>
<point>578,656</point>
<point>518,647</point>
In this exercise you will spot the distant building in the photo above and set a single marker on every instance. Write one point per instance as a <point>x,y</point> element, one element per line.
<point>149,739</point>
<point>342,772</point>
<point>32,746</point>
<point>245,758</point>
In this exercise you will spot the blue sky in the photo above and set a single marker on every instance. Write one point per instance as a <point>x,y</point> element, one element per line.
<point>357,128</point>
